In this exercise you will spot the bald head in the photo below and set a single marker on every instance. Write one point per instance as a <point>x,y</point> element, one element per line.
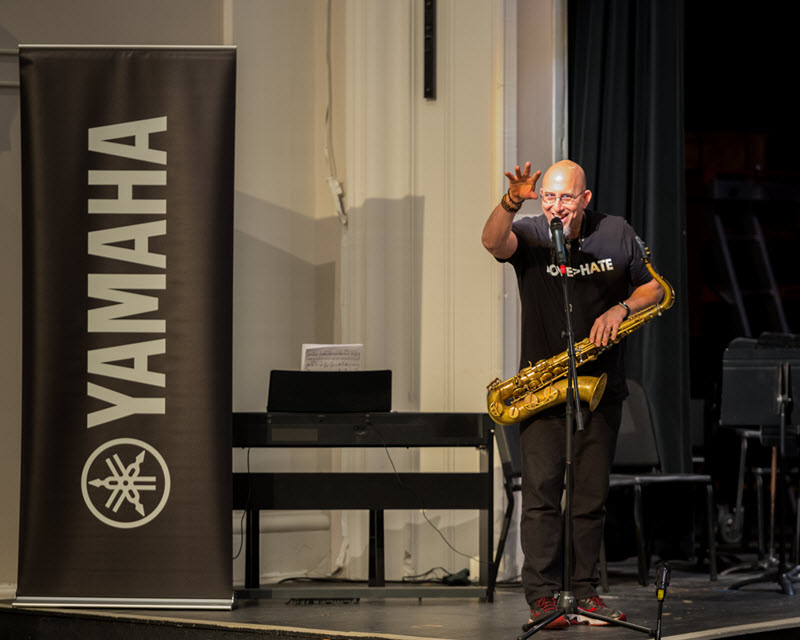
<point>565,176</point>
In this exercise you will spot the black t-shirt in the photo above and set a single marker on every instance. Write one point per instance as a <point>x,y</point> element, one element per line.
<point>603,265</point>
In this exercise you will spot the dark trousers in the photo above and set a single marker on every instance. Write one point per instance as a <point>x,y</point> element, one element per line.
<point>543,464</point>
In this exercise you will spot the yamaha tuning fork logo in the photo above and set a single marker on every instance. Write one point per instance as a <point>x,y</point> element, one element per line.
<point>125,483</point>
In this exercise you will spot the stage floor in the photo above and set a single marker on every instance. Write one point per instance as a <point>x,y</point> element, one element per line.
<point>694,608</point>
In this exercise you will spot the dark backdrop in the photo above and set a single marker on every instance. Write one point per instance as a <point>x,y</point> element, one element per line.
<point>626,130</point>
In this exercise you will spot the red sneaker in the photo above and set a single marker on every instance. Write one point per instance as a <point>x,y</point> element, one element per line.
<point>596,605</point>
<point>543,609</point>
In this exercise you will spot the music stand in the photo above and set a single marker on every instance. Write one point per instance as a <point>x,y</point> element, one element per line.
<point>757,390</point>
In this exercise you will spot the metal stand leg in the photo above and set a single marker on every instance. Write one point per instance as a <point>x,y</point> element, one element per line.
<point>252,556</point>
<point>641,550</point>
<point>377,575</point>
<point>603,566</point>
<point>712,545</point>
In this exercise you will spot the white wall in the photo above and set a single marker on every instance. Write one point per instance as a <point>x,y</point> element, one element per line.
<point>407,277</point>
<point>417,285</point>
<point>287,237</point>
<point>10,320</point>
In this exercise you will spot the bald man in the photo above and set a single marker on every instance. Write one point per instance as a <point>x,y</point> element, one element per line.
<point>607,281</point>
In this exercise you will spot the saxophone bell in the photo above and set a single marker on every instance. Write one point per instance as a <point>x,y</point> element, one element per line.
<point>514,410</point>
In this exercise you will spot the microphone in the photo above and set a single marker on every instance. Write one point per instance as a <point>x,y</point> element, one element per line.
<point>557,233</point>
<point>662,575</point>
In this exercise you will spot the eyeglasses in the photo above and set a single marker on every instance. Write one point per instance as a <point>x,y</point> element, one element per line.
<point>567,199</point>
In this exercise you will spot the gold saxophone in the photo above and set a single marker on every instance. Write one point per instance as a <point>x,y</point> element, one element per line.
<point>544,385</point>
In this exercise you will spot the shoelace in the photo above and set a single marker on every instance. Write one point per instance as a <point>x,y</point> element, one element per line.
<point>546,604</point>
<point>597,602</point>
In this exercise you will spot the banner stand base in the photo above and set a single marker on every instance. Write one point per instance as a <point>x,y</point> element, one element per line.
<point>225,604</point>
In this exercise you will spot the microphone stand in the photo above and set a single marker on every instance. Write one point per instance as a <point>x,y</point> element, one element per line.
<point>567,604</point>
<point>662,582</point>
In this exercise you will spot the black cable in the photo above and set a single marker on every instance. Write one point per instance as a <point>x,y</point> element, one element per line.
<point>419,500</point>
<point>247,506</point>
<point>422,577</point>
<point>318,579</point>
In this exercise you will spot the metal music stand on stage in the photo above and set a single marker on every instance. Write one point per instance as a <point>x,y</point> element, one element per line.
<point>757,389</point>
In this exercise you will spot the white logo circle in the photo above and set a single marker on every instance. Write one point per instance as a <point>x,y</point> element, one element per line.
<point>127,487</point>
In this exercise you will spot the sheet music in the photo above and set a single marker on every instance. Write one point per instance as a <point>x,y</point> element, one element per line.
<point>332,357</point>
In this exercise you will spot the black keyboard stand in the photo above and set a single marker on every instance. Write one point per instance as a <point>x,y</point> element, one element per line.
<point>375,492</point>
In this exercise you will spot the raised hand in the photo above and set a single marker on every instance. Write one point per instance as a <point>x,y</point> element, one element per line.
<point>522,186</point>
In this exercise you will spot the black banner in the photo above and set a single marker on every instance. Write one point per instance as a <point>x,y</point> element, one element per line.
<point>127,172</point>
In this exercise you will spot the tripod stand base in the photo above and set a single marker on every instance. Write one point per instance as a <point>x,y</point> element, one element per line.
<point>784,579</point>
<point>533,627</point>
<point>761,565</point>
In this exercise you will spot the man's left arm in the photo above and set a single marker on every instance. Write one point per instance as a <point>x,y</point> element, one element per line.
<point>605,328</point>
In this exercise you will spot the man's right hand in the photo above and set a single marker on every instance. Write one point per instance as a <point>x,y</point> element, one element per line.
<point>498,237</point>
<point>522,186</point>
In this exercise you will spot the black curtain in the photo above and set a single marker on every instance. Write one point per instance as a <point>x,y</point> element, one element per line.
<point>626,130</point>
